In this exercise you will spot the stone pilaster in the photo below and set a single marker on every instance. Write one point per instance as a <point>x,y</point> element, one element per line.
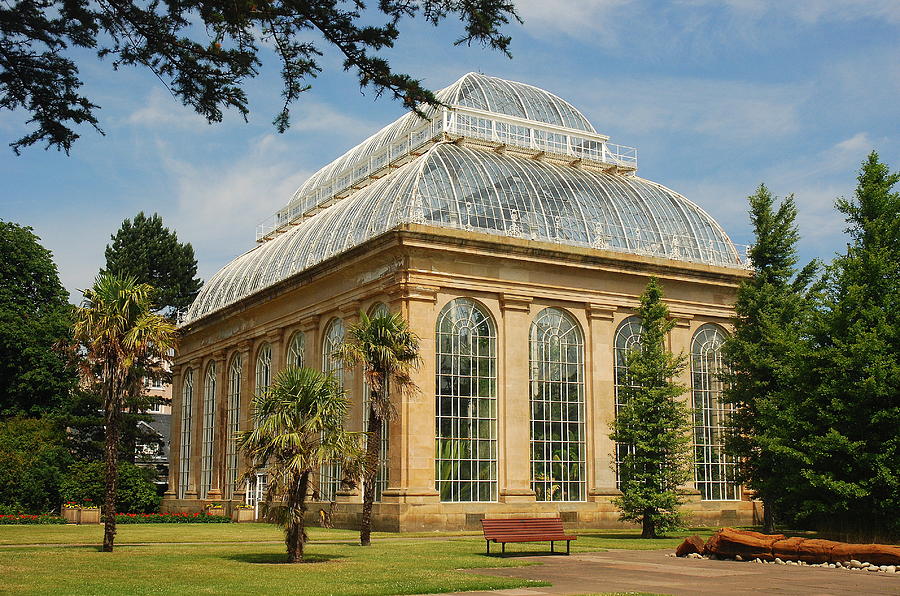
<point>244,349</point>
<point>175,433</point>
<point>600,401</point>
<point>196,429</point>
<point>349,313</point>
<point>513,407</point>
<point>411,437</point>
<point>219,424</point>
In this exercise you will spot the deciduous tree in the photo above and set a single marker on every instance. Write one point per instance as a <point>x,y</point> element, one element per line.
<point>35,321</point>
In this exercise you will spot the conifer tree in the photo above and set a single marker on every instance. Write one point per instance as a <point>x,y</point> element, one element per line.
<point>150,253</point>
<point>654,424</point>
<point>761,354</point>
<point>853,479</point>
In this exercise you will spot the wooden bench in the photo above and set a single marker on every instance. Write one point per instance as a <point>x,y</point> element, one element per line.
<point>524,529</point>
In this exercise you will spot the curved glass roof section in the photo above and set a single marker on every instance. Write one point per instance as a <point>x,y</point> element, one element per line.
<point>473,92</point>
<point>458,187</point>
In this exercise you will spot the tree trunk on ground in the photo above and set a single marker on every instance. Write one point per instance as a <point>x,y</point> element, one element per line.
<point>113,427</point>
<point>648,529</point>
<point>370,475</point>
<point>768,517</point>
<point>296,530</point>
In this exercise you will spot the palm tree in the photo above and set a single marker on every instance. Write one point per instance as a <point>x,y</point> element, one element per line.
<point>388,351</point>
<point>298,426</point>
<point>120,335</point>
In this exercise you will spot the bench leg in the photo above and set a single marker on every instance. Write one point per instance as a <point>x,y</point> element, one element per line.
<point>487,544</point>
<point>551,546</point>
<point>503,547</point>
<point>568,544</point>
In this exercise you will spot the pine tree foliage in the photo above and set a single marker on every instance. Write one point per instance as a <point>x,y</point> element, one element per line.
<point>35,317</point>
<point>150,253</point>
<point>853,446</point>
<point>207,52</point>
<point>654,423</point>
<point>764,352</point>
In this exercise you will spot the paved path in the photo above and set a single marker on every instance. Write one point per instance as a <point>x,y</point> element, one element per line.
<point>652,571</point>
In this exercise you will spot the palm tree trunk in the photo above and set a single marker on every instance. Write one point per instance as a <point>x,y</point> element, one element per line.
<point>296,531</point>
<point>370,474</point>
<point>112,417</point>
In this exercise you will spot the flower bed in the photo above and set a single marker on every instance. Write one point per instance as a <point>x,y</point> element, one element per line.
<point>22,519</point>
<point>171,518</point>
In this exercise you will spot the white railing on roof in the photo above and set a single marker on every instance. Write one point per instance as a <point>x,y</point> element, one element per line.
<point>464,122</point>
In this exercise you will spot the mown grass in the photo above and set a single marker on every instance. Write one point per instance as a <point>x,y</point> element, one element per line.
<point>250,558</point>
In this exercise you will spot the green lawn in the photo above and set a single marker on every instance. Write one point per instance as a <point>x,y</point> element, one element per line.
<point>249,558</point>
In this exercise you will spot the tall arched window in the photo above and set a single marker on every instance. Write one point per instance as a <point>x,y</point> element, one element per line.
<point>209,429</point>
<point>557,407</point>
<point>628,337</point>
<point>295,350</point>
<point>466,403</point>
<point>263,368</point>
<point>187,402</point>
<point>330,474</point>
<point>714,470</point>
<point>235,374</point>
<point>381,478</point>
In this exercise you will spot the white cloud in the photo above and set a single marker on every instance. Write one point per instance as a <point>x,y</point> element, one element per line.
<point>218,206</point>
<point>162,110</point>
<point>731,111</point>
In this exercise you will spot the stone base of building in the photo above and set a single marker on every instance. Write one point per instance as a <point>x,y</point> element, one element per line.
<point>429,517</point>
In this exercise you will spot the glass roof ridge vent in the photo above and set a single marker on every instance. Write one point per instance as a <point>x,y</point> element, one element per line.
<point>492,113</point>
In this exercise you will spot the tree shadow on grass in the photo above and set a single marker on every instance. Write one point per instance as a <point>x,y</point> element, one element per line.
<point>280,558</point>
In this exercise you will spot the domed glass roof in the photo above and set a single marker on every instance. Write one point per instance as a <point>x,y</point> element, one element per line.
<point>455,186</point>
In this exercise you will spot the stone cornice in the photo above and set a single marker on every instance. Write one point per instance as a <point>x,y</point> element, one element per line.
<point>515,302</point>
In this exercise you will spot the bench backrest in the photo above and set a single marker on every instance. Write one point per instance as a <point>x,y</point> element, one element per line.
<point>522,527</point>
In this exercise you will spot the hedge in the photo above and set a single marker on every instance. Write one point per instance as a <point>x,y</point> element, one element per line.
<point>23,519</point>
<point>171,518</point>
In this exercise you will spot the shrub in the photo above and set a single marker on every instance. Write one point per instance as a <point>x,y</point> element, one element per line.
<point>33,461</point>
<point>26,519</point>
<point>135,492</point>
<point>171,518</point>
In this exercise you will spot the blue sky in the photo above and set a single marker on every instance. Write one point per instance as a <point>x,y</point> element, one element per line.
<point>717,96</point>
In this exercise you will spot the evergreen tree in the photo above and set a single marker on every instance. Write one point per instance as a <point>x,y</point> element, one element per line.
<point>761,378</point>
<point>206,52</point>
<point>654,424</point>
<point>150,253</point>
<point>853,479</point>
<point>35,317</point>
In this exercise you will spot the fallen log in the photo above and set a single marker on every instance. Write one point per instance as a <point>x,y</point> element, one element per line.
<point>729,543</point>
<point>693,544</point>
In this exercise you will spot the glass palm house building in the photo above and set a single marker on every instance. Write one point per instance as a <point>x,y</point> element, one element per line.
<point>515,239</point>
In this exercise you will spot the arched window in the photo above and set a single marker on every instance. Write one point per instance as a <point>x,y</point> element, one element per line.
<point>295,350</point>
<point>330,474</point>
<point>263,368</point>
<point>381,479</point>
<point>557,407</point>
<point>235,374</point>
<point>209,429</point>
<point>334,337</point>
<point>466,403</point>
<point>187,402</point>
<point>714,470</point>
<point>628,337</point>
